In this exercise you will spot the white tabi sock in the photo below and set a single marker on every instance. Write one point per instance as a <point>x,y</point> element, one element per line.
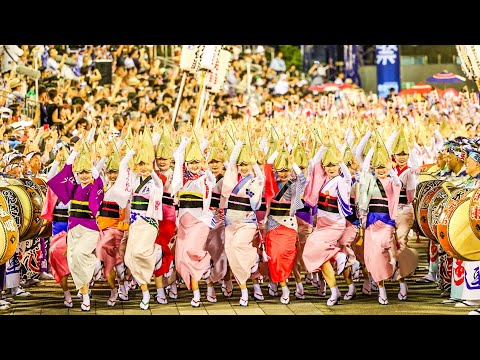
<point>211,291</point>
<point>86,299</point>
<point>113,294</point>
<point>146,296</point>
<point>335,292</point>
<point>403,288</point>
<point>285,291</point>
<point>196,294</point>
<point>299,287</point>
<point>351,289</point>
<point>123,289</point>
<point>382,292</point>
<point>120,270</point>
<point>244,295</point>
<point>257,289</point>
<point>161,293</point>
<point>67,296</point>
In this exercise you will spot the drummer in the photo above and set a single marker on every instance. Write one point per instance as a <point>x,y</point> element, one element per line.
<point>454,156</point>
<point>33,166</point>
<point>473,169</point>
<point>12,267</point>
<point>438,170</point>
<point>33,163</point>
<point>463,290</point>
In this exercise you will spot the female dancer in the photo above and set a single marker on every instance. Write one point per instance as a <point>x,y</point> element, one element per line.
<point>83,188</point>
<point>283,196</point>
<point>378,199</point>
<point>140,191</point>
<point>194,187</point>
<point>242,189</point>
<point>331,192</point>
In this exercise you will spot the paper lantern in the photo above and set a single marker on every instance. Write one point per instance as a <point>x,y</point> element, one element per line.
<point>187,58</point>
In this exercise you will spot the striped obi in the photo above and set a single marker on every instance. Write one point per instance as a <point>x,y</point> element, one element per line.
<point>215,202</point>
<point>110,209</point>
<point>139,202</point>
<point>353,219</point>
<point>403,197</point>
<point>60,215</point>
<point>239,203</point>
<point>280,208</point>
<point>378,205</point>
<point>190,199</point>
<point>328,203</point>
<point>167,199</point>
<point>80,209</point>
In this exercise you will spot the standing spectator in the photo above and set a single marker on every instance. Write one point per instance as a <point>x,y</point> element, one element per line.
<point>41,115</point>
<point>292,71</point>
<point>331,72</point>
<point>391,94</point>
<point>278,64</point>
<point>52,107</point>
<point>52,63</point>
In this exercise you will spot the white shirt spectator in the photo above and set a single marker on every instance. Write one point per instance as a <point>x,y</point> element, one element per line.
<point>53,65</point>
<point>278,64</point>
<point>10,54</point>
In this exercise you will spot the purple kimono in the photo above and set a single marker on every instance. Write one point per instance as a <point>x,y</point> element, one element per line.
<point>85,201</point>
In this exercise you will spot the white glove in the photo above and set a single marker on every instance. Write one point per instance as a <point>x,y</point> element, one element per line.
<point>204,145</point>
<point>272,157</point>
<point>184,142</point>
<point>239,144</point>
<point>296,169</point>
<point>119,143</point>
<point>210,176</point>
<point>95,173</point>
<point>155,138</point>
<point>71,157</point>
<point>181,148</point>
<point>235,152</point>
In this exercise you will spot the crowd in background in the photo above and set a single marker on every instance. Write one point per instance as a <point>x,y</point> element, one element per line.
<point>73,95</point>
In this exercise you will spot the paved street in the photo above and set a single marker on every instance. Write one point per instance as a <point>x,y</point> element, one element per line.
<point>423,299</point>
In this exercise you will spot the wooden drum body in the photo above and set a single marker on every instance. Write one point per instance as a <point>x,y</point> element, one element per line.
<point>425,195</point>
<point>40,186</point>
<point>437,204</point>
<point>8,233</point>
<point>25,206</point>
<point>454,231</point>
<point>474,217</point>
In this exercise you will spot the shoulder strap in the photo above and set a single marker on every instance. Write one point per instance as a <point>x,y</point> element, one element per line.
<point>380,186</point>
<point>283,190</point>
<point>142,183</point>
